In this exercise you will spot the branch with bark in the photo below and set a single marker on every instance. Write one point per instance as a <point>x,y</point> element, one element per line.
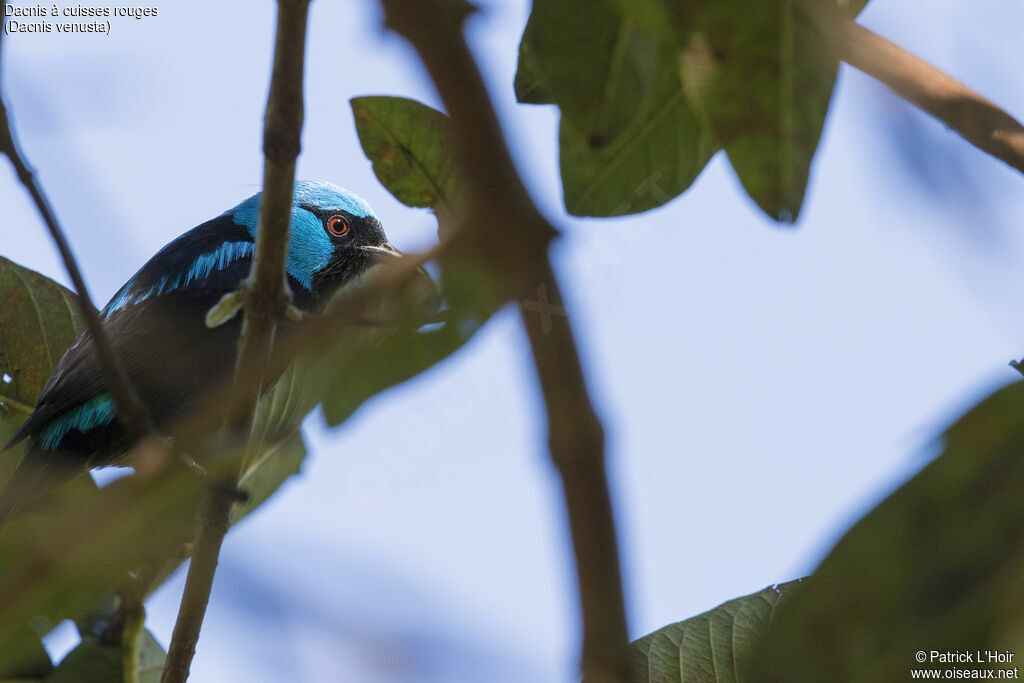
<point>265,298</point>
<point>978,120</point>
<point>505,231</point>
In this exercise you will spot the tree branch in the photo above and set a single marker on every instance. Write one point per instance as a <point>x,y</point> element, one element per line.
<point>139,535</point>
<point>507,232</point>
<point>975,118</point>
<point>131,411</point>
<point>265,296</point>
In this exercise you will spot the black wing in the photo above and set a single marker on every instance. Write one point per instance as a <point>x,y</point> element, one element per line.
<point>160,337</point>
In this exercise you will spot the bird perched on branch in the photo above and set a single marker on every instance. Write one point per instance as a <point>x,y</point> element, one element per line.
<point>157,326</point>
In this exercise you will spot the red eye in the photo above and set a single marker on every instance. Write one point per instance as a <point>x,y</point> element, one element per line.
<point>337,225</point>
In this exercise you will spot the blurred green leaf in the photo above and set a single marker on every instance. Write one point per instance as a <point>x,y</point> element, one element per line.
<point>629,140</point>
<point>410,146</point>
<point>95,662</point>
<point>60,564</point>
<point>649,90</point>
<point>265,474</point>
<point>761,75</point>
<point>851,8</point>
<point>710,647</point>
<point>938,565</point>
<point>369,360</point>
<point>151,658</point>
<point>31,662</point>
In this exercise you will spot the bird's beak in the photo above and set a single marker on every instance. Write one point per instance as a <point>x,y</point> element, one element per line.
<point>383,253</point>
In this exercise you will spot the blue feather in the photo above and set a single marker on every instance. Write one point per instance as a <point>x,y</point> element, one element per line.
<point>309,247</point>
<point>201,267</point>
<point>88,416</point>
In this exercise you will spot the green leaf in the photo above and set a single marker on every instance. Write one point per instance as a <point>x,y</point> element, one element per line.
<point>629,140</point>
<point>38,320</point>
<point>653,161</point>
<point>59,565</point>
<point>151,658</point>
<point>851,8</point>
<point>710,647</point>
<point>761,74</point>
<point>410,146</point>
<point>938,565</point>
<point>95,662</point>
<point>267,472</point>
<point>588,58</point>
<point>29,661</point>
<point>369,360</point>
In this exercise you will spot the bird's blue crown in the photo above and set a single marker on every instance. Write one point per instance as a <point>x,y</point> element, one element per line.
<point>309,247</point>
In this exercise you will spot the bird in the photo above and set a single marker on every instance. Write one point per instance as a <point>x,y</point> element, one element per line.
<point>156,323</point>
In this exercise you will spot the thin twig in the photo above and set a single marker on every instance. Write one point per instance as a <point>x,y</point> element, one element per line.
<point>976,119</point>
<point>131,412</point>
<point>266,297</point>
<point>511,236</point>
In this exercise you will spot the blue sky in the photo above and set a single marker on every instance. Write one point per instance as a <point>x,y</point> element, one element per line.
<point>761,386</point>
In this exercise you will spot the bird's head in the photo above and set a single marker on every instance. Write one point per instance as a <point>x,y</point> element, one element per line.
<point>334,236</point>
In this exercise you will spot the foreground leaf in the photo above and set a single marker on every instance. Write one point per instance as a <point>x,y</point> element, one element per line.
<point>267,472</point>
<point>410,146</point>
<point>710,647</point>
<point>656,158</point>
<point>31,663</point>
<point>761,74</point>
<point>590,59</point>
<point>94,662</point>
<point>58,566</point>
<point>939,565</point>
<point>629,140</point>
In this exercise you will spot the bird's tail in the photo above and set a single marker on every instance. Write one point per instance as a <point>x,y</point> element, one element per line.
<point>35,475</point>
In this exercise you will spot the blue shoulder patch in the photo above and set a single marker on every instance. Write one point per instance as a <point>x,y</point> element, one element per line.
<point>88,416</point>
<point>201,267</point>
<point>309,247</point>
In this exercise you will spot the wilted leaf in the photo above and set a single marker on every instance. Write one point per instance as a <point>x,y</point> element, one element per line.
<point>939,565</point>
<point>710,647</point>
<point>410,146</point>
<point>761,74</point>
